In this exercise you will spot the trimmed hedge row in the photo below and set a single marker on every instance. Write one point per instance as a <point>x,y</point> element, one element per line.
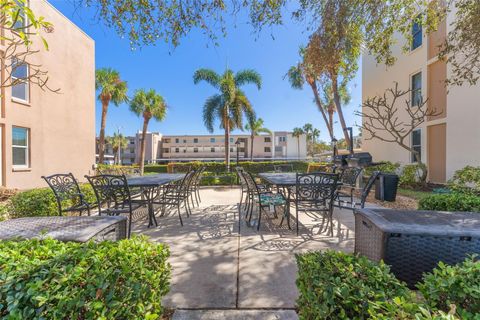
<point>336,285</point>
<point>49,279</point>
<point>450,202</point>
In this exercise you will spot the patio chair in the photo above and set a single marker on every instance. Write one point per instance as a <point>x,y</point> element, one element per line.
<point>315,192</point>
<point>176,195</point>
<point>283,168</point>
<point>348,178</point>
<point>351,205</point>
<point>244,186</point>
<point>67,193</point>
<point>262,197</point>
<point>113,196</point>
<point>194,187</point>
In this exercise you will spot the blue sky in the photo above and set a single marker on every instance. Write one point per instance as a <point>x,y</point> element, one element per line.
<point>169,71</point>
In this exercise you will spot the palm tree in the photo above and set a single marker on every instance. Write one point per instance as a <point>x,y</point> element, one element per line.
<point>255,126</point>
<point>307,129</point>
<point>118,142</point>
<point>148,104</point>
<point>112,89</point>
<point>230,104</point>
<point>297,133</point>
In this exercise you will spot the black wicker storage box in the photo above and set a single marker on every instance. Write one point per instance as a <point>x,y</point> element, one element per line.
<point>413,242</point>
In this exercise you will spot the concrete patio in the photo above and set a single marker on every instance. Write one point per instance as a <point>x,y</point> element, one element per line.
<point>224,269</point>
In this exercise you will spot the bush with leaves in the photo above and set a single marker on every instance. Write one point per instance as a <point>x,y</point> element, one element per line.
<point>41,202</point>
<point>336,285</point>
<point>386,167</point>
<point>412,175</point>
<point>457,286</point>
<point>450,202</point>
<point>49,279</point>
<point>466,180</point>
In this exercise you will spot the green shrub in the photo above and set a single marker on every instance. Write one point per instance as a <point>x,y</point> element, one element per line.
<point>466,180</point>
<point>412,175</point>
<point>155,168</point>
<point>457,285</point>
<point>218,179</point>
<point>387,167</point>
<point>219,167</point>
<point>335,285</point>
<point>48,279</point>
<point>41,202</point>
<point>450,202</point>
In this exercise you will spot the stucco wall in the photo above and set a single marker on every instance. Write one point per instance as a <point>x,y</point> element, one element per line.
<point>62,126</point>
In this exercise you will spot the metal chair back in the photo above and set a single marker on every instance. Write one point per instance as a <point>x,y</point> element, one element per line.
<point>368,186</point>
<point>67,191</point>
<point>317,187</point>
<point>112,192</point>
<point>349,176</point>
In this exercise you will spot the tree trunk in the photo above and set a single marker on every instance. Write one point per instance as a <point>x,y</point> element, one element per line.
<point>101,142</point>
<point>115,155</point>
<point>336,98</point>
<point>330,119</point>
<point>298,147</point>
<point>313,85</point>
<point>142,145</point>
<point>251,148</point>
<point>227,144</point>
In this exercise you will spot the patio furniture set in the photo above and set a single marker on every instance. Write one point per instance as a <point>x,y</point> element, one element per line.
<point>117,197</point>
<point>311,192</point>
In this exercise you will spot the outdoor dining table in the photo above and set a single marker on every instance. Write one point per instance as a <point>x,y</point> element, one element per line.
<point>150,187</point>
<point>78,229</point>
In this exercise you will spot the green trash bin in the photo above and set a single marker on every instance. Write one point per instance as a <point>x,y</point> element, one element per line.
<point>386,187</point>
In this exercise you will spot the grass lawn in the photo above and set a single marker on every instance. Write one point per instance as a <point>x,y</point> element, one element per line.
<point>414,194</point>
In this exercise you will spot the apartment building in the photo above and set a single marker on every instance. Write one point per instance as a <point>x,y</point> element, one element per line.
<point>42,132</point>
<point>447,142</point>
<point>280,145</point>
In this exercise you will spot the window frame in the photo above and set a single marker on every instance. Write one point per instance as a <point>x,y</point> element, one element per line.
<point>267,151</point>
<point>24,82</point>
<point>412,156</point>
<point>415,90</point>
<point>416,33</point>
<point>267,140</point>
<point>26,148</point>
<point>195,150</point>
<point>212,149</point>
<point>212,140</point>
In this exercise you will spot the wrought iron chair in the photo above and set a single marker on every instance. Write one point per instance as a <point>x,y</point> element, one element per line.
<point>244,186</point>
<point>315,192</point>
<point>351,205</point>
<point>262,197</point>
<point>195,187</point>
<point>175,195</point>
<point>348,178</point>
<point>67,193</point>
<point>283,168</point>
<point>113,196</point>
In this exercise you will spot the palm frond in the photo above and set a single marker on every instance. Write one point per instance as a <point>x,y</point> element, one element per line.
<point>109,83</point>
<point>295,77</point>
<point>139,102</point>
<point>208,76</point>
<point>248,76</point>
<point>211,111</point>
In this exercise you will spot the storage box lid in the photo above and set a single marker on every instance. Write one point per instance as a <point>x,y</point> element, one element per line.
<point>424,222</point>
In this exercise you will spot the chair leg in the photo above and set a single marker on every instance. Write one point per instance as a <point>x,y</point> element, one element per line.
<point>195,191</point>
<point>129,226</point>
<point>179,215</point>
<point>296,213</point>
<point>240,205</point>
<point>259,216</point>
<point>198,193</point>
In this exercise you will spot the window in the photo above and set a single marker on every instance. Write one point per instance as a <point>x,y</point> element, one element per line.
<point>212,149</point>
<point>231,149</point>
<point>166,150</point>
<point>22,18</point>
<point>268,139</point>
<point>184,150</point>
<point>212,140</point>
<point>195,140</point>
<point>417,144</point>
<point>231,140</point>
<point>184,140</point>
<point>267,149</point>
<point>132,150</point>
<point>416,33</point>
<point>177,140</point>
<point>195,149</point>
<point>416,85</point>
<point>278,149</point>
<point>241,149</point>
<point>20,147</point>
<point>282,139</point>
<point>20,80</point>
<point>166,140</point>
<point>177,150</point>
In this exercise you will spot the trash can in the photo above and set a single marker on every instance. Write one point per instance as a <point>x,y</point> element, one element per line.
<point>386,187</point>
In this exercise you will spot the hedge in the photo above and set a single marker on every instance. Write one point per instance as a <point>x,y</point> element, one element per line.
<point>41,202</point>
<point>450,202</point>
<point>466,180</point>
<point>336,285</point>
<point>49,279</point>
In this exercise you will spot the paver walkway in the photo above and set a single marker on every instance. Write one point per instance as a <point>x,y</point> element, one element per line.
<point>224,269</point>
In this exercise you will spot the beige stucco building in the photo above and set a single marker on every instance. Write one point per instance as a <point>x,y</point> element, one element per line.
<point>42,132</point>
<point>447,142</point>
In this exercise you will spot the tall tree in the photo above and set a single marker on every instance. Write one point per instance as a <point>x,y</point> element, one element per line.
<point>230,104</point>
<point>148,104</point>
<point>255,126</point>
<point>297,133</point>
<point>118,142</point>
<point>308,129</point>
<point>112,89</point>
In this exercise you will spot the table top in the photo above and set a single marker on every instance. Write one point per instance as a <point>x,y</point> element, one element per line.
<point>154,180</point>
<point>424,222</point>
<point>79,229</point>
<point>286,179</point>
